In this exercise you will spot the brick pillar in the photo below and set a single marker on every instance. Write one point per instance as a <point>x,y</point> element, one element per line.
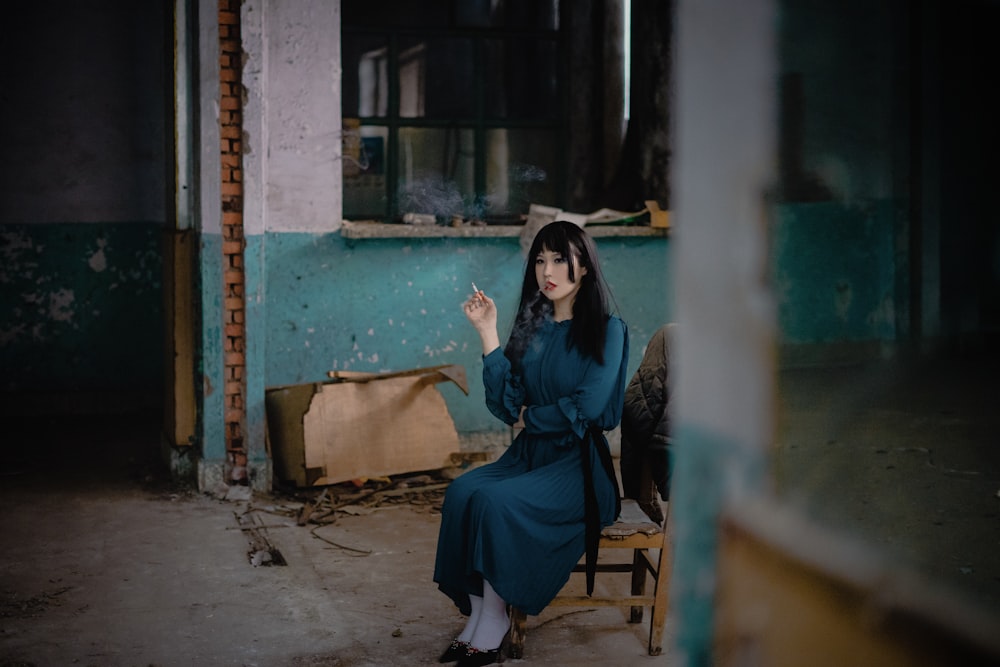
<point>234,304</point>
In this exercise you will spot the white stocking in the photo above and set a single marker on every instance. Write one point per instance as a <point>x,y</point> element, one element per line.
<point>493,621</point>
<point>470,625</point>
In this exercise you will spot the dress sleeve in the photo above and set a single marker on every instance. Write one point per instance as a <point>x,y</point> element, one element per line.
<point>596,401</point>
<point>504,391</point>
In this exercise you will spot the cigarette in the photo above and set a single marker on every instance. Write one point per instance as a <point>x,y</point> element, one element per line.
<point>475,290</point>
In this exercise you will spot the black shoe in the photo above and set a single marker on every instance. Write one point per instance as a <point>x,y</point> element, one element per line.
<point>454,651</point>
<point>475,658</point>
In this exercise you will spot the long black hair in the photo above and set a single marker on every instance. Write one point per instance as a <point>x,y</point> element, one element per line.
<point>591,308</point>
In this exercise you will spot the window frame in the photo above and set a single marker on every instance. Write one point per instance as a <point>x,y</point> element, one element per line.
<point>480,125</point>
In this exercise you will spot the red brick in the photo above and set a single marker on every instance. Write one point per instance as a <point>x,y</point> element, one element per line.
<point>233,304</point>
<point>229,102</point>
<point>235,359</point>
<point>234,330</point>
<point>237,316</point>
<point>230,132</point>
<point>234,415</point>
<point>232,189</point>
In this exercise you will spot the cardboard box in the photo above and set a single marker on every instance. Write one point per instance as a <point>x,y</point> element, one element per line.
<point>657,216</point>
<point>362,425</point>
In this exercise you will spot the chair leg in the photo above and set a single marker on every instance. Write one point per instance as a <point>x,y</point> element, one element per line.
<point>638,582</point>
<point>660,599</point>
<point>518,626</point>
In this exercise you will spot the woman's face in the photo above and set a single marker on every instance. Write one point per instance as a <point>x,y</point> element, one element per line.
<point>552,275</point>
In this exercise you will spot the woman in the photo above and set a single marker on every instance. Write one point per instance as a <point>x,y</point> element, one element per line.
<point>511,531</point>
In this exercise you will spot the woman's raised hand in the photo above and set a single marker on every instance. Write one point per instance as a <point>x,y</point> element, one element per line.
<point>482,313</point>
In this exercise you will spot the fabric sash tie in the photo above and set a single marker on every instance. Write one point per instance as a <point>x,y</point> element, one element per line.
<point>592,514</point>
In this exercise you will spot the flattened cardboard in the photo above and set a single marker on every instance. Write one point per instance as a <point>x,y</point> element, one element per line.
<point>362,425</point>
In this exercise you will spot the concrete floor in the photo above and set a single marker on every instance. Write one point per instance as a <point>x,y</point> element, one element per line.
<point>905,456</point>
<point>107,563</point>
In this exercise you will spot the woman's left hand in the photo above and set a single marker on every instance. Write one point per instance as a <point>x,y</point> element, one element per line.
<point>520,418</point>
<point>482,313</point>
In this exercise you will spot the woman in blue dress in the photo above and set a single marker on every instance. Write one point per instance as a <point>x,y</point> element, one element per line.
<point>511,531</point>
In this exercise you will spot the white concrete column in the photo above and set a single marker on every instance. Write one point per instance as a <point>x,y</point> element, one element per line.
<point>724,168</point>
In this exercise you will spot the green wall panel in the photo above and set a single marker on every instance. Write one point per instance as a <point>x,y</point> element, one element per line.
<point>81,307</point>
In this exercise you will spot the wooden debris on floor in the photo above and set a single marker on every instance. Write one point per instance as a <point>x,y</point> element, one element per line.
<point>353,498</point>
<point>262,551</point>
<point>423,490</point>
<point>316,508</point>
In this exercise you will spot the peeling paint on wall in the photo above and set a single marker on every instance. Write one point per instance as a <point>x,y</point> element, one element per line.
<point>80,306</point>
<point>60,305</point>
<point>98,262</point>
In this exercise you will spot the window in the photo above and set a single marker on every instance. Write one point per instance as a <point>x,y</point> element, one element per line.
<point>451,108</point>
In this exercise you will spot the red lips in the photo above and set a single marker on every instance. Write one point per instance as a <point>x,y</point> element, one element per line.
<point>550,285</point>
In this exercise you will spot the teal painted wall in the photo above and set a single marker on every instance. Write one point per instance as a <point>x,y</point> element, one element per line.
<point>393,304</point>
<point>835,272</point>
<point>210,369</point>
<point>81,307</point>
<point>81,304</point>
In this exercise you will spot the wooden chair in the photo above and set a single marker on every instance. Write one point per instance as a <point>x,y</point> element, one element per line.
<point>636,531</point>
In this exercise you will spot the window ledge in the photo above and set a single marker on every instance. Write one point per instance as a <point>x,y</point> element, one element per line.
<point>380,230</point>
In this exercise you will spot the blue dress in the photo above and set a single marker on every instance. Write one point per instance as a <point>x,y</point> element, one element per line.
<point>519,521</point>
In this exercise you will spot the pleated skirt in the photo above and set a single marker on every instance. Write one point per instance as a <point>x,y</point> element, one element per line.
<point>518,523</point>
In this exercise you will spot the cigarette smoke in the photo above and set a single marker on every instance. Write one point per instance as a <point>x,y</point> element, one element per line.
<point>533,313</point>
<point>431,195</point>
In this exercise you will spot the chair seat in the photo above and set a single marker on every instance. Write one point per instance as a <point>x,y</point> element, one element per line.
<point>631,521</point>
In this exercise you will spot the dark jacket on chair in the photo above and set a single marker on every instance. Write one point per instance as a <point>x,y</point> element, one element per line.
<point>645,424</point>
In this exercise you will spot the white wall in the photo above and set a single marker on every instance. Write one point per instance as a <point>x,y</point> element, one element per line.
<point>291,117</point>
